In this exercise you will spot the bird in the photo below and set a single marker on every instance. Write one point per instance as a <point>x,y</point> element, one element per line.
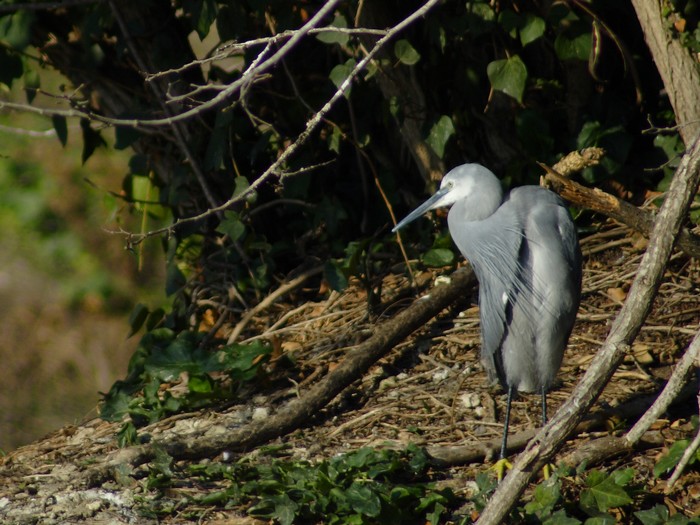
<point>524,249</point>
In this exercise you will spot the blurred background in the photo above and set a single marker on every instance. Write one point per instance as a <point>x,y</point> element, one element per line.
<point>67,284</point>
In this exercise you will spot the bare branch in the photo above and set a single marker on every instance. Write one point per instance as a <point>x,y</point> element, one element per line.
<point>233,49</point>
<point>311,125</point>
<point>623,332</point>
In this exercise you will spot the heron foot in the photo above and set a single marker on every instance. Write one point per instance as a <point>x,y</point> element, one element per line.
<point>547,470</point>
<point>500,468</point>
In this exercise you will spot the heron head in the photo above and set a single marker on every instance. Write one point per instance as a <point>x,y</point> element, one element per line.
<point>468,182</point>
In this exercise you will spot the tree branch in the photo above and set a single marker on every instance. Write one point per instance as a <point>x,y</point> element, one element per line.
<point>617,209</point>
<point>623,332</point>
<point>298,411</point>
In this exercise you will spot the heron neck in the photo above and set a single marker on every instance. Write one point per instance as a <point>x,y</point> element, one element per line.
<point>473,209</point>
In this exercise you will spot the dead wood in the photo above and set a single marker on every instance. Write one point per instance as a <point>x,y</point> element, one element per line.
<point>623,332</point>
<point>358,361</point>
<point>450,456</point>
<point>617,209</point>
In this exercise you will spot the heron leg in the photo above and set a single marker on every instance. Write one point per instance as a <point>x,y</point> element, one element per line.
<point>547,469</point>
<point>544,407</point>
<point>503,464</point>
<point>506,423</point>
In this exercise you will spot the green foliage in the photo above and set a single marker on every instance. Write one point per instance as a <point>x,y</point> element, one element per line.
<point>509,76</point>
<point>669,460</point>
<point>163,356</point>
<point>364,486</point>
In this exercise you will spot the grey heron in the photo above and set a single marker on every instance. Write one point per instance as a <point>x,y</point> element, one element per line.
<point>525,252</point>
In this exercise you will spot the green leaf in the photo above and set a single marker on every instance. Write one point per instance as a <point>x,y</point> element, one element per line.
<point>509,76</point>
<point>560,518</point>
<point>127,436</point>
<point>573,47</point>
<point>242,362</point>
<point>10,67</point>
<point>200,384</point>
<point>363,500</point>
<point>669,461</point>
<point>603,493</point>
<point>340,72</point>
<point>602,519</point>
<point>623,476</point>
<point>59,124</point>
<point>91,139</point>
<point>232,226</point>
<point>335,37</point>
<point>204,17</point>
<point>438,257</point>
<point>32,82</point>
<point>182,355</point>
<point>440,133</point>
<point>532,29</point>
<point>406,53</point>
<point>125,136</point>
<point>335,276</point>
<point>241,185</point>
<point>546,495</point>
<point>16,29</point>
<point>658,515</point>
<point>137,318</point>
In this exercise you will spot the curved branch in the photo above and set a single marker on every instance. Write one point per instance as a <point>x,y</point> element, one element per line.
<point>622,334</point>
<point>234,437</point>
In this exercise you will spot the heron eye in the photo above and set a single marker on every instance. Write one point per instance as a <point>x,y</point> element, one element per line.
<point>450,184</point>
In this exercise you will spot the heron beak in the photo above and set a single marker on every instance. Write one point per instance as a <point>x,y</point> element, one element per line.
<point>431,203</point>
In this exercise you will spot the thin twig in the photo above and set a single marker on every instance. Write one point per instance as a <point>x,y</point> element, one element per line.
<point>301,139</point>
<point>669,393</point>
<point>270,299</point>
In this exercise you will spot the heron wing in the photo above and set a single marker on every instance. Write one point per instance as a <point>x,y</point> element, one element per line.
<point>544,313</point>
<point>493,248</point>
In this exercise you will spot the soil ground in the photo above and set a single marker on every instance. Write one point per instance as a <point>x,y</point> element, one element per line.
<point>429,390</point>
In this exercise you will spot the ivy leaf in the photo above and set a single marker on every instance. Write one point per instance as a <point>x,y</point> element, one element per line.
<point>340,72</point>
<point>603,493</point>
<point>125,136</point>
<point>532,29</point>
<point>242,362</point>
<point>573,47</point>
<point>602,519</point>
<point>335,37</point>
<point>231,226</point>
<point>546,495</point>
<point>204,17</point>
<point>59,124</point>
<point>182,355</point>
<point>200,384</point>
<point>671,459</point>
<point>406,53</point>
<point>137,318</point>
<point>334,276</point>
<point>509,76</point>
<point>438,257</point>
<point>16,29</point>
<point>32,82</point>
<point>440,133</point>
<point>10,67</point>
<point>91,139</point>
<point>363,500</point>
<point>560,518</point>
<point>658,515</point>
